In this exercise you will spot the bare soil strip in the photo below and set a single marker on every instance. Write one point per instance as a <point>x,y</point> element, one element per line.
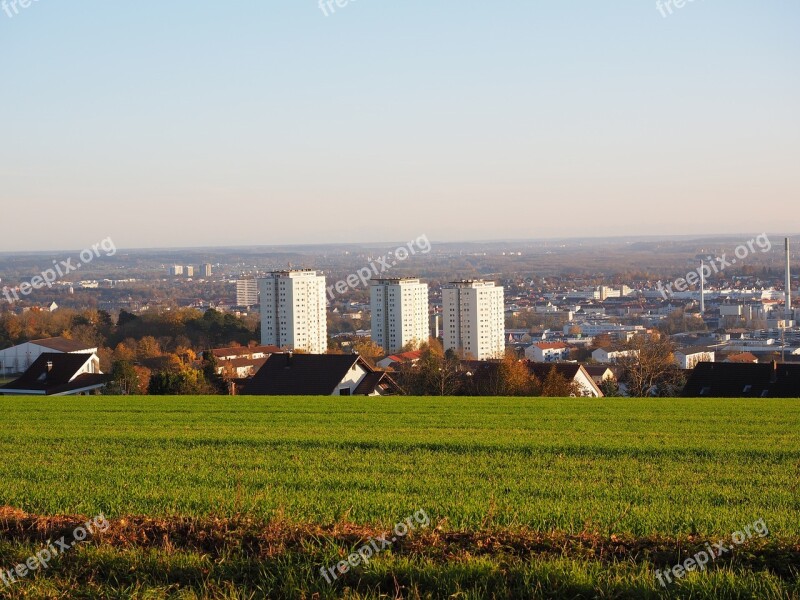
<point>216,536</point>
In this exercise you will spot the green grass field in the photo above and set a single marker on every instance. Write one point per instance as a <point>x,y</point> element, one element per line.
<point>664,471</point>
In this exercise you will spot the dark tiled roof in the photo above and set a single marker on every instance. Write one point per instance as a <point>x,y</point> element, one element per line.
<point>61,344</point>
<point>302,374</point>
<point>376,381</point>
<point>743,380</point>
<point>542,370</point>
<point>742,357</point>
<point>597,370</point>
<point>57,379</point>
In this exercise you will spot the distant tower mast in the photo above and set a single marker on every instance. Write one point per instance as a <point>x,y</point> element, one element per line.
<point>788,306</point>
<point>702,290</point>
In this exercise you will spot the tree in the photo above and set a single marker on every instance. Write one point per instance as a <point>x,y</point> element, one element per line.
<point>188,382</point>
<point>124,377</point>
<point>368,350</point>
<point>148,347</point>
<point>678,321</point>
<point>124,352</point>
<point>211,373</point>
<point>603,340</point>
<point>555,385</point>
<point>514,376</point>
<point>651,368</point>
<point>437,372</point>
<point>610,388</point>
<point>125,317</point>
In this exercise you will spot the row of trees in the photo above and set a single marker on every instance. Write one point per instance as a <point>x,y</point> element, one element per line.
<point>651,371</point>
<point>154,353</point>
<point>440,373</point>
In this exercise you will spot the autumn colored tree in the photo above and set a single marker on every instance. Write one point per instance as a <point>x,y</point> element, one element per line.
<point>555,385</point>
<point>368,350</point>
<point>514,377</point>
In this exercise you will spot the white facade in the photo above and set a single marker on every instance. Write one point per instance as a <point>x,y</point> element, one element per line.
<point>688,359</point>
<point>543,352</point>
<point>606,355</point>
<point>399,313</point>
<point>246,292</point>
<point>473,319</point>
<point>293,311</point>
<point>587,385</point>
<point>593,328</point>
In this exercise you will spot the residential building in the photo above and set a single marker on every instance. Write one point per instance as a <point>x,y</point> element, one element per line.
<point>17,359</point>
<point>545,352</point>
<point>58,374</point>
<point>189,270</point>
<point>207,270</point>
<point>291,374</point>
<point>592,328</point>
<point>741,357</point>
<point>176,270</point>
<point>687,358</point>
<point>241,362</point>
<point>399,313</point>
<point>246,292</point>
<point>600,373</point>
<point>293,311</point>
<point>612,355</point>
<point>398,361</point>
<point>571,372</point>
<point>473,315</point>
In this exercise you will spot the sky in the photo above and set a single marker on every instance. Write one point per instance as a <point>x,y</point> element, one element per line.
<point>260,122</point>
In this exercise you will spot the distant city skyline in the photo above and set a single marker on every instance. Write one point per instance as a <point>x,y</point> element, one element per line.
<point>189,125</point>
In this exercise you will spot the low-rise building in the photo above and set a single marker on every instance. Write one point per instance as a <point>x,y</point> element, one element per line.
<point>58,374</point>
<point>17,359</point>
<point>612,355</point>
<point>546,352</point>
<point>291,374</point>
<point>687,358</point>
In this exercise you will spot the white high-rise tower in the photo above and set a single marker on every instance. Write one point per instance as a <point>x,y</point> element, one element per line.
<point>473,317</point>
<point>399,313</point>
<point>294,311</point>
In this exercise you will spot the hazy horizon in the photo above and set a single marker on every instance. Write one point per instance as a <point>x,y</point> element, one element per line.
<point>198,125</point>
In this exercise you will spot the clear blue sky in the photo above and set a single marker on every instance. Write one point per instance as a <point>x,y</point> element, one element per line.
<point>260,122</point>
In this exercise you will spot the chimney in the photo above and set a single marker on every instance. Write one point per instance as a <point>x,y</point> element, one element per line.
<point>289,359</point>
<point>788,282</point>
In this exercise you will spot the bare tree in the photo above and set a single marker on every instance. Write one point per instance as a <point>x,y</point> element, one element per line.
<point>650,369</point>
